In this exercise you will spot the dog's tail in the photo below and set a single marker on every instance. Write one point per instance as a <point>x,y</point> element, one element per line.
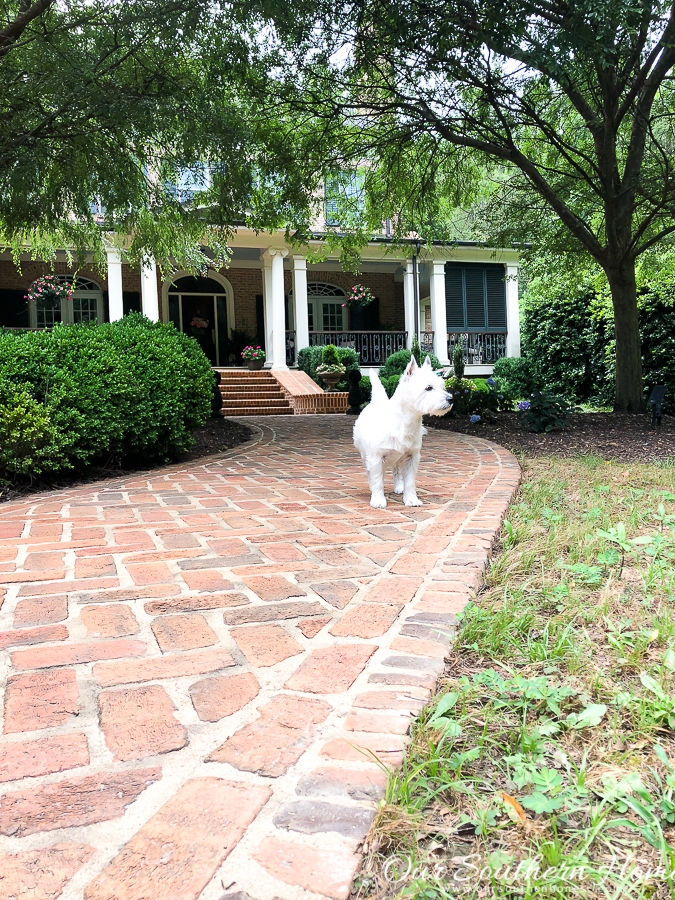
<point>378,392</point>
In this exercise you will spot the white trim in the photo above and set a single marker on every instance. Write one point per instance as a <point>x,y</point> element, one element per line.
<point>512,312</point>
<point>115,292</point>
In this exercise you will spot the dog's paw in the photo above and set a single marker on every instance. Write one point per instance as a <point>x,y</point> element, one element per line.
<point>378,502</point>
<point>398,488</point>
<point>412,501</point>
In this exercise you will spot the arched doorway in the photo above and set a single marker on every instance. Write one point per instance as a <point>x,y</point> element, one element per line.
<point>324,307</point>
<point>198,306</point>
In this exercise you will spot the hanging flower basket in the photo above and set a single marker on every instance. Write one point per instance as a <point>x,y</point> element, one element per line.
<point>49,292</point>
<point>199,326</point>
<point>359,296</point>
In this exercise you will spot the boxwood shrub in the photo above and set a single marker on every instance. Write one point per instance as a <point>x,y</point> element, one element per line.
<point>131,389</point>
<point>311,357</point>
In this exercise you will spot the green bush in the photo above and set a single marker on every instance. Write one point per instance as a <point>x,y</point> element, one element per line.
<point>515,375</point>
<point>397,362</point>
<point>462,390</point>
<point>131,389</point>
<point>458,361</point>
<point>366,389</point>
<point>546,412</point>
<point>330,357</point>
<point>311,357</point>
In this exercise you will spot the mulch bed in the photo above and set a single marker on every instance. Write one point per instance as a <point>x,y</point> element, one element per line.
<point>612,437</point>
<point>215,436</point>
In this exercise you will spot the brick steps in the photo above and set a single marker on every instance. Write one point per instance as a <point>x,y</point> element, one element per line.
<point>247,393</point>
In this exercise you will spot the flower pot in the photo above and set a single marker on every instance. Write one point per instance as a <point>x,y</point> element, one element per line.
<point>255,364</point>
<point>331,379</point>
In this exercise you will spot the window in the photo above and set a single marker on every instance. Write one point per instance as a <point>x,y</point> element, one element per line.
<point>86,306</point>
<point>344,197</point>
<point>324,307</point>
<point>475,297</point>
<point>332,316</point>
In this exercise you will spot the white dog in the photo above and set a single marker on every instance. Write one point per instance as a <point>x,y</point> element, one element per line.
<point>388,433</point>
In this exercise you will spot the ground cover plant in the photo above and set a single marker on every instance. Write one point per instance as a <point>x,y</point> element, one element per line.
<point>550,745</point>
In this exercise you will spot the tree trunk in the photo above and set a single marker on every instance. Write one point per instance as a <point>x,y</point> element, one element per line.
<point>629,395</point>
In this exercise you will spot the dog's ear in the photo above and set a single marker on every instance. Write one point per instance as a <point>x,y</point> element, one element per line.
<point>427,363</point>
<point>410,368</point>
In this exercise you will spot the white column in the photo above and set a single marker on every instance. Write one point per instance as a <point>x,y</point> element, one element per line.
<point>115,296</point>
<point>149,295</point>
<point>300,302</point>
<point>438,315</point>
<point>278,311</point>
<point>409,301</point>
<point>267,308</point>
<point>512,312</point>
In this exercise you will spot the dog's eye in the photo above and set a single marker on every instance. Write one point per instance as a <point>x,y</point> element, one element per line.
<point>429,387</point>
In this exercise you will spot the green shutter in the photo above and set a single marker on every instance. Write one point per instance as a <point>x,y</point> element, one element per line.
<point>454,297</point>
<point>474,278</point>
<point>496,297</point>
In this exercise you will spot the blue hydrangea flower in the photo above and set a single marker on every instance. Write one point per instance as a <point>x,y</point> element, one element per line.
<point>475,419</point>
<point>524,404</point>
<point>491,382</point>
<point>466,391</point>
<point>500,396</point>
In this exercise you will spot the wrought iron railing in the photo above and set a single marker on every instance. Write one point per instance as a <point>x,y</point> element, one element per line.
<point>373,347</point>
<point>480,347</point>
<point>290,348</point>
<point>427,341</point>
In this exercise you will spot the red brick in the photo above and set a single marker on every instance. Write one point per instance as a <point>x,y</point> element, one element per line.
<point>26,759</point>
<point>311,627</point>
<point>116,620</point>
<point>394,589</point>
<point>188,632</point>
<point>282,552</point>
<point>58,587</point>
<point>220,696</point>
<point>140,722</point>
<point>419,648</point>
<point>176,666</point>
<point>337,593</point>
<point>41,874</point>
<point>337,556</point>
<point>277,739</point>
<point>377,722</point>
<point>195,603</point>
<point>206,580</point>
<point>272,612</point>
<point>327,872</point>
<point>274,588</point>
<point>41,561</point>
<point>353,784</point>
<point>40,700</point>
<point>411,700</point>
<point>121,594</point>
<point>41,635</point>
<point>265,645</point>
<point>414,564</point>
<point>367,620</point>
<point>72,654</point>
<point>150,573</point>
<point>95,565</point>
<point>331,670</point>
<point>388,749</point>
<point>73,802</point>
<point>177,852</point>
<point>43,611</point>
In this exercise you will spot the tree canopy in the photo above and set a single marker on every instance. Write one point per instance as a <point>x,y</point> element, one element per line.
<point>568,105</point>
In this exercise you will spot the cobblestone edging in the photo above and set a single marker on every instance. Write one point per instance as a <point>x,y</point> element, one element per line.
<point>195,660</point>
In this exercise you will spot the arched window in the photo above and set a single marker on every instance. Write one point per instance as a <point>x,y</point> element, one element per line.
<point>325,307</point>
<point>86,305</point>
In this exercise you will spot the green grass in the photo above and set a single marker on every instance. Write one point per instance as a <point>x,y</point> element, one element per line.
<point>552,742</point>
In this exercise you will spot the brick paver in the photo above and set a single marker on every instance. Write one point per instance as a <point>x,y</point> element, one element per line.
<point>199,661</point>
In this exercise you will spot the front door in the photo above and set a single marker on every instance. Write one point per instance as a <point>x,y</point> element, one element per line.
<point>203,317</point>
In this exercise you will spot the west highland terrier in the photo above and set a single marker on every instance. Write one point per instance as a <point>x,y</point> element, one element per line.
<point>388,433</point>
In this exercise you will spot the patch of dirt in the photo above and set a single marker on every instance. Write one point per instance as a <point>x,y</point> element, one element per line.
<point>620,438</point>
<point>215,436</point>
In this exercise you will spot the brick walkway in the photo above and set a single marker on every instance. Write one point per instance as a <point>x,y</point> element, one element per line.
<point>194,657</point>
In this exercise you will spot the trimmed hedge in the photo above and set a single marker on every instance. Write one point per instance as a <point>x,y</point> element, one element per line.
<point>311,357</point>
<point>129,389</point>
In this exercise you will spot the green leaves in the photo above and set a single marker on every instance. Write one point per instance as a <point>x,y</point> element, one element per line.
<point>591,715</point>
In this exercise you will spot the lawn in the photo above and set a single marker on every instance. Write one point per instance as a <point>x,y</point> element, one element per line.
<point>546,764</point>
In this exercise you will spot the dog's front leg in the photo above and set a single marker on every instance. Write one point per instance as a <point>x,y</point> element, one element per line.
<point>409,466</point>
<point>398,480</point>
<point>375,470</point>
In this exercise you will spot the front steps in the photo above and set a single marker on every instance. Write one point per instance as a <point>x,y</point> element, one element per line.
<point>247,393</point>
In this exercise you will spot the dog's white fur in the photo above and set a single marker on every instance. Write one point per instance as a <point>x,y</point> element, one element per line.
<point>388,433</point>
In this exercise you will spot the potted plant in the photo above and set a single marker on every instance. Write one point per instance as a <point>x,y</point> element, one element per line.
<point>199,326</point>
<point>254,356</point>
<point>359,296</point>
<point>331,369</point>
